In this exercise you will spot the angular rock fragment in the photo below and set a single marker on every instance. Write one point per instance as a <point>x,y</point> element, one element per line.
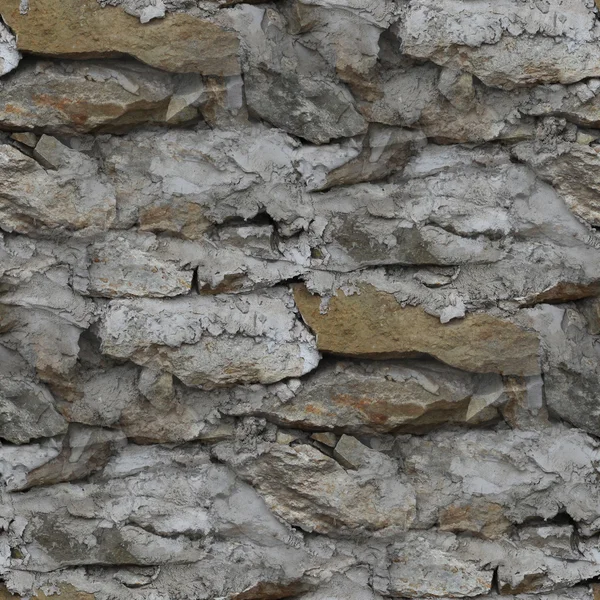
<point>572,169</point>
<point>84,451</point>
<point>372,324</point>
<point>83,29</point>
<point>211,342</point>
<point>479,480</point>
<point>411,396</point>
<point>514,44</point>
<point>570,361</point>
<point>132,265</point>
<point>385,150</point>
<point>49,343</point>
<point>480,518</point>
<point>9,55</point>
<point>74,196</point>
<point>289,85</point>
<point>78,97</point>
<point>431,566</point>
<point>314,492</point>
<point>27,409</point>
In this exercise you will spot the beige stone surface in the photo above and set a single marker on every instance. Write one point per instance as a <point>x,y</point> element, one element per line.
<point>83,29</point>
<point>373,324</point>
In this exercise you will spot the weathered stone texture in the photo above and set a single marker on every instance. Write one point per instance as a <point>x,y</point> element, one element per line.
<point>299,299</point>
<point>83,29</point>
<point>372,324</point>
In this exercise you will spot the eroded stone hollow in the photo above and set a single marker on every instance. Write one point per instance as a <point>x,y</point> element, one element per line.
<point>299,299</point>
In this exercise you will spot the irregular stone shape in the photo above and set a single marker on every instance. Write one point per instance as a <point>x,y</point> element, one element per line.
<point>570,362</point>
<point>590,309</point>
<point>323,110</point>
<point>509,45</point>
<point>572,171</point>
<point>530,474</point>
<point>373,324</point>
<point>126,265</point>
<point>9,55</point>
<point>75,196</point>
<point>363,398</point>
<point>445,113</point>
<point>526,567</point>
<point>289,85</point>
<point>157,387</point>
<point>346,34</point>
<point>49,343</point>
<point>73,29</point>
<point>84,451</point>
<point>307,489</point>
<point>385,150</point>
<point>430,566</point>
<point>25,137</point>
<point>485,519</point>
<point>70,97</point>
<point>525,408</point>
<point>143,509</point>
<point>180,182</point>
<point>27,409</point>
<point>351,453</point>
<point>112,397</point>
<point>207,341</point>
<point>325,437</point>
<point>65,591</point>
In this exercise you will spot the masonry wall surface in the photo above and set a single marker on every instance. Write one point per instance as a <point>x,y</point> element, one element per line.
<point>299,299</point>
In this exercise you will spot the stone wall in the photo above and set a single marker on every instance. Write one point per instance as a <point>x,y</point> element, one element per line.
<point>300,299</point>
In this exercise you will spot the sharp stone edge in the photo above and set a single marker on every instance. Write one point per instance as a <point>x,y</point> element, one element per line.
<point>299,300</point>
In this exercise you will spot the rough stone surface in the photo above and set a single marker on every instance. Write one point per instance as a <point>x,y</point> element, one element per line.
<point>207,341</point>
<point>299,299</point>
<point>83,29</point>
<point>372,324</point>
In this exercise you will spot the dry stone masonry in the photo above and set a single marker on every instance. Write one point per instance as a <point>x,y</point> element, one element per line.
<point>299,299</point>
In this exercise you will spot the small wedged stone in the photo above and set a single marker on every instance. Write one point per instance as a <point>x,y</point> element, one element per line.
<point>83,29</point>
<point>211,342</point>
<point>372,324</point>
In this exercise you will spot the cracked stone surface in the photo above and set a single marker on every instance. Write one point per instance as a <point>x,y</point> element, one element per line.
<point>299,299</point>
